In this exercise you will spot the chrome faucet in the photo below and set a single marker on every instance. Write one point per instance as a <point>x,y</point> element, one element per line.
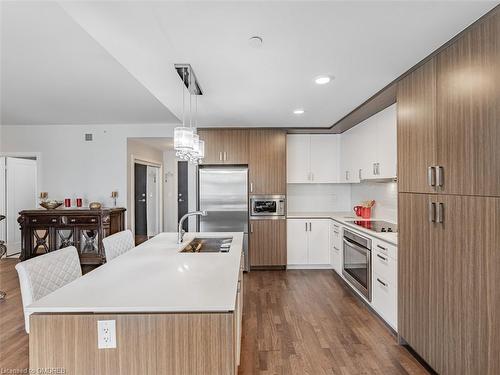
<point>180,234</point>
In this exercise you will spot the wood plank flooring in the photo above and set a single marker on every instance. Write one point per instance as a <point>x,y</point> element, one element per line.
<point>13,337</point>
<point>308,322</point>
<point>294,322</point>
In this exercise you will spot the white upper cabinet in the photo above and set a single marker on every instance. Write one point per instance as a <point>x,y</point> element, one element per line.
<point>313,158</point>
<point>298,158</point>
<point>368,150</point>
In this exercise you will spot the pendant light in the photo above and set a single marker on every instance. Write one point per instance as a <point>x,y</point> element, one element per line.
<point>183,135</point>
<point>187,143</point>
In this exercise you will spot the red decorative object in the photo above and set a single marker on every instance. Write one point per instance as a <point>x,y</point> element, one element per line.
<point>67,202</point>
<point>78,202</point>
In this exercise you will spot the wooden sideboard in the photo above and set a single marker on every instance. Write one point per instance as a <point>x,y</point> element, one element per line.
<point>43,231</point>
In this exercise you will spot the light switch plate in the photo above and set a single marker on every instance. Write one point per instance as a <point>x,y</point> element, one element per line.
<point>106,334</point>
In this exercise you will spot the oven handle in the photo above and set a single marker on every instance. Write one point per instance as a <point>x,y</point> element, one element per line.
<point>363,250</point>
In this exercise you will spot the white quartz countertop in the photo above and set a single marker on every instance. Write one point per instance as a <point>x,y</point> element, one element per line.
<point>344,218</point>
<point>155,277</point>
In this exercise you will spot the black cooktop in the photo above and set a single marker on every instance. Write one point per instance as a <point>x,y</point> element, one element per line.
<point>376,225</point>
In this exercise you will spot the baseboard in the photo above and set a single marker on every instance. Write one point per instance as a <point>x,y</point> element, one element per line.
<point>309,267</point>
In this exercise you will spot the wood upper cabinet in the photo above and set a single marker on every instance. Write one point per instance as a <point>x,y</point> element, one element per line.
<point>267,161</point>
<point>449,117</point>
<point>267,243</point>
<point>416,130</point>
<point>448,281</point>
<point>225,146</point>
<point>468,111</point>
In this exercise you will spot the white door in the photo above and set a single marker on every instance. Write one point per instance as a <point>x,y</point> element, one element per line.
<point>153,200</point>
<point>21,195</point>
<point>298,158</point>
<point>319,242</point>
<point>325,155</point>
<point>297,241</point>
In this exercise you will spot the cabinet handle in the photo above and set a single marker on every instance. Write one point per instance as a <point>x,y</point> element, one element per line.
<point>439,175</point>
<point>381,282</point>
<point>310,227</point>
<point>220,155</point>
<point>381,257</point>
<point>54,220</point>
<point>92,220</point>
<point>432,212</point>
<point>347,175</point>
<point>378,169</point>
<point>382,248</point>
<point>225,155</point>
<point>306,227</point>
<point>359,174</point>
<point>431,176</point>
<point>251,187</point>
<point>33,220</point>
<point>335,232</point>
<point>374,168</point>
<point>440,213</point>
<point>251,227</point>
<point>312,176</point>
<point>72,220</point>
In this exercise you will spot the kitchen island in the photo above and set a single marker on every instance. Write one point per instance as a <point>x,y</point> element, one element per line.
<point>174,313</point>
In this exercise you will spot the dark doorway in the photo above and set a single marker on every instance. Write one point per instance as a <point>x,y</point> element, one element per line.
<point>140,175</point>
<point>182,192</point>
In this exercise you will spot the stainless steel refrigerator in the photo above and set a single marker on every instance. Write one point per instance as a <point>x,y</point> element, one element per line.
<point>223,193</point>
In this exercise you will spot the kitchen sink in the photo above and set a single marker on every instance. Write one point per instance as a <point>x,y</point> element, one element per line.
<point>208,245</point>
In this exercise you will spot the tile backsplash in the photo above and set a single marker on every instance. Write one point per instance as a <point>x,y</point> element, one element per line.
<point>319,197</point>
<point>343,197</point>
<point>385,195</point>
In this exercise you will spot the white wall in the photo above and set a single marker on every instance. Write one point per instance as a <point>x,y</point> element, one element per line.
<point>385,195</point>
<point>319,197</point>
<point>70,166</point>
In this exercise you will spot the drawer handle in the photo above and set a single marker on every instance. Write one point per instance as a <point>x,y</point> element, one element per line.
<point>335,226</point>
<point>73,220</point>
<point>382,248</point>
<point>335,232</point>
<point>33,220</point>
<point>381,257</point>
<point>92,220</point>
<point>381,282</point>
<point>336,248</point>
<point>54,220</point>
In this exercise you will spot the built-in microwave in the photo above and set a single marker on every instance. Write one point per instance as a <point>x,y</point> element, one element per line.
<point>270,206</point>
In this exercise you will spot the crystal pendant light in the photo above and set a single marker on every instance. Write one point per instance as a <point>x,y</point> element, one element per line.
<point>183,135</point>
<point>187,143</point>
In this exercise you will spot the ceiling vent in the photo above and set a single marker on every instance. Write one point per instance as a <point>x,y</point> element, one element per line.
<point>185,71</point>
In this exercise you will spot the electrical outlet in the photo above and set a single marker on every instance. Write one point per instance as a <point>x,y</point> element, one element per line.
<point>106,334</point>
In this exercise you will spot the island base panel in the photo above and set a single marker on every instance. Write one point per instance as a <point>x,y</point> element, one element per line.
<point>190,343</point>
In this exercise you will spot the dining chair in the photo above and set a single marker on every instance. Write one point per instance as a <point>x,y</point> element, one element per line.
<point>46,273</point>
<point>118,244</point>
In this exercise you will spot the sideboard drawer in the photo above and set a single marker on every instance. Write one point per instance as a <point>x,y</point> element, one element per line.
<point>43,220</point>
<point>82,220</point>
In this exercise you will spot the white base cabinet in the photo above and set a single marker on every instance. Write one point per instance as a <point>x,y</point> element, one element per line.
<point>308,243</point>
<point>384,281</point>
<point>336,247</point>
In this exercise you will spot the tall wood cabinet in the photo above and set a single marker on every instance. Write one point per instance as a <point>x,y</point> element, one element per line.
<point>449,214</point>
<point>449,115</point>
<point>267,161</point>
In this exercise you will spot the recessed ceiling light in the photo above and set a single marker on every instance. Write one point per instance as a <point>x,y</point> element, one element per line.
<point>255,41</point>
<point>299,111</point>
<point>322,80</point>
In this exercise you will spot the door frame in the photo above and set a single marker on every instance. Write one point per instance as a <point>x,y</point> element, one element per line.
<point>3,204</point>
<point>138,160</point>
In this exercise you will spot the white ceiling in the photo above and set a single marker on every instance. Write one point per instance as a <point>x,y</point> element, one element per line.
<point>53,72</point>
<point>365,45</point>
